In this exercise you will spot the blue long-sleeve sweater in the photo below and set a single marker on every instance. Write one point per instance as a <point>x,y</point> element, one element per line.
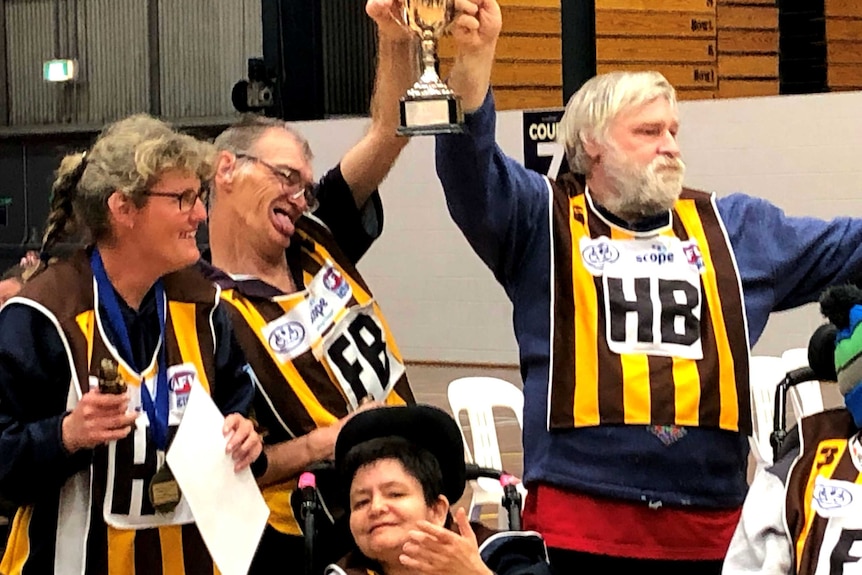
<point>503,210</point>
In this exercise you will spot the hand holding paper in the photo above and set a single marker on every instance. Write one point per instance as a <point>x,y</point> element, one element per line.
<point>243,442</point>
<point>227,505</point>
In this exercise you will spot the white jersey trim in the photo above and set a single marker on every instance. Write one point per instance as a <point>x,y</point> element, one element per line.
<point>73,512</point>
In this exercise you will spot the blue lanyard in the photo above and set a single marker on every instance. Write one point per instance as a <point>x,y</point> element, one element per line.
<point>157,411</point>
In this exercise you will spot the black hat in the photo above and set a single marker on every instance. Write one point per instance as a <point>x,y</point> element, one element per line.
<point>423,425</point>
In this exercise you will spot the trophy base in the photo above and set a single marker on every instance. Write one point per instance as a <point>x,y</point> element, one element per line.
<point>430,116</point>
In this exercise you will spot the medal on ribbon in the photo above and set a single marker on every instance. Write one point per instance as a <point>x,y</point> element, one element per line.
<point>163,490</point>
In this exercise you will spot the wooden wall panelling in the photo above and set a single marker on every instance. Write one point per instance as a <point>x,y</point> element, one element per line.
<point>682,76</point>
<point>747,48</point>
<point>675,37</point>
<point>528,69</point>
<point>843,44</point>
<point>843,8</point>
<point>671,24</point>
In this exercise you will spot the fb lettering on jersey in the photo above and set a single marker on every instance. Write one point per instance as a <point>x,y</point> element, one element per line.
<point>360,357</point>
<point>652,293</point>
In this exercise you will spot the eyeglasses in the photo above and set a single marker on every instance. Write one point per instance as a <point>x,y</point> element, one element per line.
<point>187,199</point>
<point>289,178</point>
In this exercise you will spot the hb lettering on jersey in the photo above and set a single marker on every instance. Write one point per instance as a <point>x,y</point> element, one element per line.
<point>662,311</point>
<point>652,294</point>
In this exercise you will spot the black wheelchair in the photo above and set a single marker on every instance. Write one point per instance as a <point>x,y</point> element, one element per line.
<point>821,367</point>
<point>779,426</point>
<point>323,517</point>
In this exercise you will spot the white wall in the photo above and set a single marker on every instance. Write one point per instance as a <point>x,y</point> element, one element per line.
<point>800,152</point>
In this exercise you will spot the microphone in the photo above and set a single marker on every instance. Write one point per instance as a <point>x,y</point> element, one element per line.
<point>307,488</point>
<point>511,500</point>
<point>307,479</point>
<point>508,481</point>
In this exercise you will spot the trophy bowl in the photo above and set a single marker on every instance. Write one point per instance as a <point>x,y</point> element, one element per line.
<point>429,106</point>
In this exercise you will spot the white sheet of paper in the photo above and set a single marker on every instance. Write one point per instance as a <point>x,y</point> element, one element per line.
<point>228,508</point>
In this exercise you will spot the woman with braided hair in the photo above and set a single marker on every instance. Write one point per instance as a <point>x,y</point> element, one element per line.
<point>98,355</point>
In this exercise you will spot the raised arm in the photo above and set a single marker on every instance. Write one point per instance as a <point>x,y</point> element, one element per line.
<point>475,31</point>
<point>788,261</point>
<point>498,204</point>
<point>368,162</point>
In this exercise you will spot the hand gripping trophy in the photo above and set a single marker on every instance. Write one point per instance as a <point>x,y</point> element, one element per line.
<point>430,106</point>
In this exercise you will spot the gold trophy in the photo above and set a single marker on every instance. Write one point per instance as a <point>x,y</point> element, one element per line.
<point>430,106</point>
<point>110,380</point>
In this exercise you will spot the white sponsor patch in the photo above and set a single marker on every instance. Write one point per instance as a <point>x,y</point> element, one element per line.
<point>292,334</point>
<point>652,294</point>
<point>357,352</point>
<point>834,498</point>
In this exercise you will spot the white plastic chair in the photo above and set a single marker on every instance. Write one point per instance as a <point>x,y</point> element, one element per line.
<point>806,397</point>
<point>765,373</point>
<point>478,396</point>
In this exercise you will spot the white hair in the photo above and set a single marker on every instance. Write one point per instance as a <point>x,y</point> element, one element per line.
<point>591,109</point>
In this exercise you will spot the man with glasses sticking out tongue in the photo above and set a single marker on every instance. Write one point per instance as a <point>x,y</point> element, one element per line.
<point>284,250</point>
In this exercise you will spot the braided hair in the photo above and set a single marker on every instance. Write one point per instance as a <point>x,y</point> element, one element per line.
<point>128,157</point>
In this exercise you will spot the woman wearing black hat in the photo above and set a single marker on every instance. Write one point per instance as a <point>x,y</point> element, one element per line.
<point>403,467</point>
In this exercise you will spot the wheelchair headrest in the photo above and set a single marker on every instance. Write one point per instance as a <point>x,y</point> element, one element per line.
<point>821,352</point>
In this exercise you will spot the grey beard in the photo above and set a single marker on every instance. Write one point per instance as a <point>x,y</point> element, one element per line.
<point>645,193</point>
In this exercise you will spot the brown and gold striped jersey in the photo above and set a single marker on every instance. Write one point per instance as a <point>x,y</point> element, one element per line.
<point>102,520</point>
<point>316,353</point>
<point>654,320</point>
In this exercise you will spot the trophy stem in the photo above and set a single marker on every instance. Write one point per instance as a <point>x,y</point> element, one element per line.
<point>429,60</point>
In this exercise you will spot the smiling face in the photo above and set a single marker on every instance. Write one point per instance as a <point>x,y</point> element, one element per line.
<point>166,230</point>
<point>262,196</point>
<point>386,502</point>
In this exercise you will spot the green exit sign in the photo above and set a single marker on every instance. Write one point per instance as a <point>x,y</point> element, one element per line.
<point>59,70</point>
